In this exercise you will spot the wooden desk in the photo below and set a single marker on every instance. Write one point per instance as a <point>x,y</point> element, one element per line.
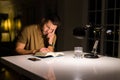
<point>65,67</point>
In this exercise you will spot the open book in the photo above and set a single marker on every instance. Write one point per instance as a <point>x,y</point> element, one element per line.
<point>49,54</point>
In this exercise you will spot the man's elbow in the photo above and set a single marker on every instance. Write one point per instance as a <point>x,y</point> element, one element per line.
<point>18,51</point>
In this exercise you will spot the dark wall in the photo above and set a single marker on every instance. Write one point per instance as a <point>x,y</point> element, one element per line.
<point>74,14</point>
<point>32,10</point>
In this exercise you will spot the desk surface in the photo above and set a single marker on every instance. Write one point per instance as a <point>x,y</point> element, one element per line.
<point>65,67</point>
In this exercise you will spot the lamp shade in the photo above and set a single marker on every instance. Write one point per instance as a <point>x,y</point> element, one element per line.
<point>79,32</point>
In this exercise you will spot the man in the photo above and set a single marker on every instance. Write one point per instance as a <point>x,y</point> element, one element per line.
<point>38,38</point>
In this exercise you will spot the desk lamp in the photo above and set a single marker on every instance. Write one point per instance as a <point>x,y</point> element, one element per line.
<point>80,32</point>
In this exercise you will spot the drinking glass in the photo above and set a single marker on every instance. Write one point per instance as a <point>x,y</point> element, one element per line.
<point>78,52</point>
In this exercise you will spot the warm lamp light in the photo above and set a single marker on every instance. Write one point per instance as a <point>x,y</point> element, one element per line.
<point>9,27</point>
<point>18,24</point>
<point>6,24</point>
<point>5,37</point>
<point>9,24</point>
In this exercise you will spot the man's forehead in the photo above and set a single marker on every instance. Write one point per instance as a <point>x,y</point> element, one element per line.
<point>50,24</point>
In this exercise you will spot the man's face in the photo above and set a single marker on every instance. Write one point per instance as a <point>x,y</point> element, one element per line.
<point>49,28</point>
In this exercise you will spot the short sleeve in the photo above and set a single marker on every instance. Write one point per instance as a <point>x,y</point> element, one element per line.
<point>23,36</point>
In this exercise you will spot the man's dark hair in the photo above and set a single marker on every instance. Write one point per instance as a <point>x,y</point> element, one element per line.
<point>55,19</point>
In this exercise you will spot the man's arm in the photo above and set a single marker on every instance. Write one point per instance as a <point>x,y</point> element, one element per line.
<point>20,49</point>
<point>51,41</point>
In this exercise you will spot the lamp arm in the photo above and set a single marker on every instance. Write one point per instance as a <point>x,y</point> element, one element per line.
<point>94,50</point>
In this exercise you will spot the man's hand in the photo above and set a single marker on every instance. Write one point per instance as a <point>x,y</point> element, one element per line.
<point>44,50</point>
<point>51,36</point>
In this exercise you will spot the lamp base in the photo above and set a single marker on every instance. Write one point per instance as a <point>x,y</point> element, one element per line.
<point>91,55</point>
